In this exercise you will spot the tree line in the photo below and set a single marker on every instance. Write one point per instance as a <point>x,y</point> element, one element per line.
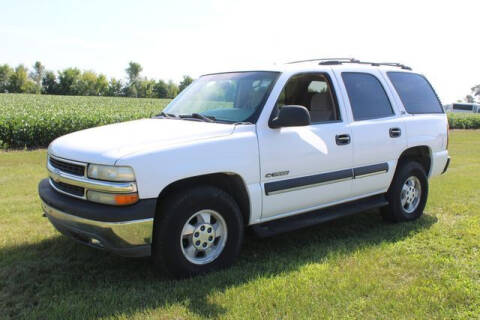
<point>474,96</point>
<point>72,81</point>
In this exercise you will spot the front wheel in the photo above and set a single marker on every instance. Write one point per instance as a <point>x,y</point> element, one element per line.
<point>407,195</point>
<point>197,231</point>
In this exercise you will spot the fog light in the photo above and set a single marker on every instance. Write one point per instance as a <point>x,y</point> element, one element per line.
<point>116,199</point>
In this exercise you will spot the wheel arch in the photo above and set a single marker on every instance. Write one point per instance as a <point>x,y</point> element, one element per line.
<point>229,182</point>
<point>421,154</point>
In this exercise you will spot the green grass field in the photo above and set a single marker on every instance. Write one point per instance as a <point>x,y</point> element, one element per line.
<point>358,267</point>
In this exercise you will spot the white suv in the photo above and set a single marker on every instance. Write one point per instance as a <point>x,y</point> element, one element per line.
<point>270,149</point>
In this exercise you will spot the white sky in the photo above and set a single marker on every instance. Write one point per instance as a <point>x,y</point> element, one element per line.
<point>172,38</point>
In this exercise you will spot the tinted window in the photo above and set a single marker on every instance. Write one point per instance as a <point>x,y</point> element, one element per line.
<point>367,96</point>
<point>416,93</point>
<point>465,107</point>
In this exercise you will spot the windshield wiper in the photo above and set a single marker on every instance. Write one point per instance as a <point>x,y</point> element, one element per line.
<point>198,116</point>
<point>241,122</point>
<point>167,115</point>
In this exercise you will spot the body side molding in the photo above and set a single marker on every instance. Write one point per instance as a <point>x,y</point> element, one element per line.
<point>276,187</point>
<point>361,172</point>
<point>307,182</point>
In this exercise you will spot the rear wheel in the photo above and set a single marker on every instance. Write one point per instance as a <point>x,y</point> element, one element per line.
<point>407,195</point>
<point>197,231</point>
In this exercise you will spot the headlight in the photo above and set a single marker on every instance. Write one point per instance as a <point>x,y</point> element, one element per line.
<point>116,199</point>
<point>110,173</point>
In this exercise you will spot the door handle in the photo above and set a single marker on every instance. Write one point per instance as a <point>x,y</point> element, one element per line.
<point>342,139</point>
<point>395,132</point>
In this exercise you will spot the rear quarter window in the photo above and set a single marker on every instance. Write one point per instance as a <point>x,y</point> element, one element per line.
<point>416,93</point>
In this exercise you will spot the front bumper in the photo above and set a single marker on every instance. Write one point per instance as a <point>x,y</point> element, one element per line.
<point>126,231</point>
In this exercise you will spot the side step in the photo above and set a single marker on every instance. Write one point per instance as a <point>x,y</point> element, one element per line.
<point>270,228</point>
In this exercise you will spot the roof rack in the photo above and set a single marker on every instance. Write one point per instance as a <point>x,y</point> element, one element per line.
<point>337,61</point>
<point>324,59</point>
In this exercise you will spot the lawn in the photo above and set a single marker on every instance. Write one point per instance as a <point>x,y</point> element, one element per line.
<point>357,267</point>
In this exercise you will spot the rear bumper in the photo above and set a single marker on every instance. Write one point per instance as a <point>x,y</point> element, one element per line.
<point>446,166</point>
<point>126,231</point>
<point>440,161</point>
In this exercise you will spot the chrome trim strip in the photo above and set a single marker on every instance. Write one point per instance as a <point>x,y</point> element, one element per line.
<point>117,235</point>
<point>90,184</point>
<point>83,164</point>
<point>84,197</point>
<point>370,174</point>
<point>308,186</point>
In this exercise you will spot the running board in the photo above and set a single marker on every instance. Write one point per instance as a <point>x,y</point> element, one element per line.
<point>271,228</point>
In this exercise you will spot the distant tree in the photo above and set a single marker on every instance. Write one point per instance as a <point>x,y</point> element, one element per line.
<point>67,81</point>
<point>30,87</point>
<point>37,75</point>
<point>130,91</point>
<point>133,71</point>
<point>184,83</point>
<point>19,82</point>
<point>49,83</point>
<point>172,89</point>
<point>86,84</point>
<point>72,81</point>
<point>160,89</point>
<point>102,85</point>
<point>115,88</point>
<point>5,73</point>
<point>476,92</point>
<point>474,96</point>
<point>146,88</point>
<point>469,99</point>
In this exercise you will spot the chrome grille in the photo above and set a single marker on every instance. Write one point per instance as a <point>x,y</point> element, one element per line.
<point>71,168</point>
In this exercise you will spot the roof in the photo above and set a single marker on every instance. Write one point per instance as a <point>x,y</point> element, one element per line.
<point>318,65</point>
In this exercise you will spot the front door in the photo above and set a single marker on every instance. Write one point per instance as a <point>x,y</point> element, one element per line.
<point>307,167</point>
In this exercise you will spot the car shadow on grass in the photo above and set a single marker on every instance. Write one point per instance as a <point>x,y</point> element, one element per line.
<point>58,278</point>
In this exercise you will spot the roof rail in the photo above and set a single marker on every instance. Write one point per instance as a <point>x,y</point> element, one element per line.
<point>324,59</point>
<point>337,61</point>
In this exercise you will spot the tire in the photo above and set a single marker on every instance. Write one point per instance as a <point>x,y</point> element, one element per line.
<point>181,232</point>
<point>409,174</point>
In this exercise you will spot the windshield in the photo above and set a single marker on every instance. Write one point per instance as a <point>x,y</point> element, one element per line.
<point>230,97</point>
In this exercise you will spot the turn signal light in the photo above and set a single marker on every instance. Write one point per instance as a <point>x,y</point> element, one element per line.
<point>124,199</point>
<point>116,199</point>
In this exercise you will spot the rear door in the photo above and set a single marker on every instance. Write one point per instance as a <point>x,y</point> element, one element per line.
<point>378,131</point>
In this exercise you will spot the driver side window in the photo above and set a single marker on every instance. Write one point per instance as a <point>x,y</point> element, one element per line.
<point>314,92</point>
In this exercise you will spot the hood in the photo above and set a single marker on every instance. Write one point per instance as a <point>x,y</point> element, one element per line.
<point>106,144</point>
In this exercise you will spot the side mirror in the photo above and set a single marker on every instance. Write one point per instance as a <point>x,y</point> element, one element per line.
<point>290,116</point>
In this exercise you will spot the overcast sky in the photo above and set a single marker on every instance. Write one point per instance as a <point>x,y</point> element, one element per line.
<point>172,38</point>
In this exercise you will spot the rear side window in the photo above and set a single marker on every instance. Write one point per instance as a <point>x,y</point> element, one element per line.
<point>367,96</point>
<point>416,93</point>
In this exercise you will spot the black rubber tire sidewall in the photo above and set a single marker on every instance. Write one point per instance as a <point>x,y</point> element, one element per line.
<point>174,214</point>
<point>394,211</point>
